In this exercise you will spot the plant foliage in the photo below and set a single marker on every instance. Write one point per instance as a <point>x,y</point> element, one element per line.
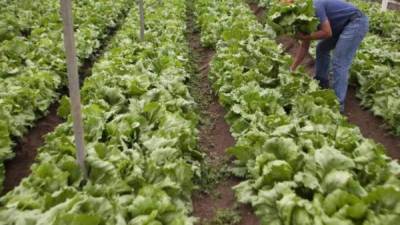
<point>32,64</point>
<point>140,133</point>
<point>301,161</point>
<point>293,18</point>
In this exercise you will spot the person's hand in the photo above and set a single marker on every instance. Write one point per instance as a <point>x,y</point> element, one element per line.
<point>302,36</point>
<point>287,1</point>
<point>293,68</point>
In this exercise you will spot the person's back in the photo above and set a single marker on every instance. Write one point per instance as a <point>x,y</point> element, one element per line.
<point>338,12</point>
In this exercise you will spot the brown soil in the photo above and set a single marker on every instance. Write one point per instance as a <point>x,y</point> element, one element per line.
<point>370,125</point>
<point>257,10</point>
<point>206,205</point>
<point>215,138</point>
<point>393,5</point>
<point>26,149</point>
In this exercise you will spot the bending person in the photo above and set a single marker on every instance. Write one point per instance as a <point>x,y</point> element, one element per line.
<point>342,28</point>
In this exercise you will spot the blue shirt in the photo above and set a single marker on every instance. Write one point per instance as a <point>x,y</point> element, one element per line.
<point>338,12</point>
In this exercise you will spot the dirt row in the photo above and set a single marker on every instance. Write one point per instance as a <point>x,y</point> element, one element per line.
<point>27,146</point>
<point>215,203</point>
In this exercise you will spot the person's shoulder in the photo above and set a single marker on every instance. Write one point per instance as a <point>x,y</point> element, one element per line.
<point>319,2</point>
<point>323,1</point>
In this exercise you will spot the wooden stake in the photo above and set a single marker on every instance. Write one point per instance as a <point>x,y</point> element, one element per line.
<point>73,83</point>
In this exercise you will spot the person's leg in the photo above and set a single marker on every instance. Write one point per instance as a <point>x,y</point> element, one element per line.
<point>345,50</point>
<point>322,61</point>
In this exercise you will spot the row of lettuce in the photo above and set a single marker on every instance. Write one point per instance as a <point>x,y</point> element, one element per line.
<point>376,68</point>
<point>140,131</point>
<point>33,68</point>
<point>26,23</point>
<point>302,162</point>
<point>383,23</point>
<point>18,18</point>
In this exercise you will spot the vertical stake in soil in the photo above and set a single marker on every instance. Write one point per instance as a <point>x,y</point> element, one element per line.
<point>73,83</point>
<point>384,5</point>
<point>141,12</point>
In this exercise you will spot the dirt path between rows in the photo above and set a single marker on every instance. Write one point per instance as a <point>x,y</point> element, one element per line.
<point>216,204</point>
<point>371,126</point>
<point>26,147</point>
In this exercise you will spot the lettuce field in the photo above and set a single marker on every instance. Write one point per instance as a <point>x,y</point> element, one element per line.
<point>202,122</point>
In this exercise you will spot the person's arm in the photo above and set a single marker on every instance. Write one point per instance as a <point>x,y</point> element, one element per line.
<point>301,53</point>
<point>324,32</point>
<point>324,28</point>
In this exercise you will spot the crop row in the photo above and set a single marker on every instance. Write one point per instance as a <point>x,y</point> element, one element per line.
<point>376,67</point>
<point>35,21</point>
<point>302,162</point>
<point>385,24</point>
<point>140,132</point>
<point>33,69</point>
<point>19,18</point>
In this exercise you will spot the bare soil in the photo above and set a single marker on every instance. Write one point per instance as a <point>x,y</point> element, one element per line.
<point>206,205</point>
<point>258,11</point>
<point>371,126</point>
<point>393,5</point>
<point>26,148</point>
<point>215,138</point>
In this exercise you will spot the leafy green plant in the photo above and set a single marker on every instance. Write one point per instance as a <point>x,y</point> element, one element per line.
<point>225,217</point>
<point>385,24</point>
<point>302,162</point>
<point>212,173</point>
<point>375,71</point>
<point>32,66</point>
<point>290,19</point>
<point>377,64</point>
<point>140,133</point>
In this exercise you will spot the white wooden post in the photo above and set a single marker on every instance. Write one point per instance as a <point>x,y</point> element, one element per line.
<point>384,5</point>
<point>73,83</point>
<point>141,13</point>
